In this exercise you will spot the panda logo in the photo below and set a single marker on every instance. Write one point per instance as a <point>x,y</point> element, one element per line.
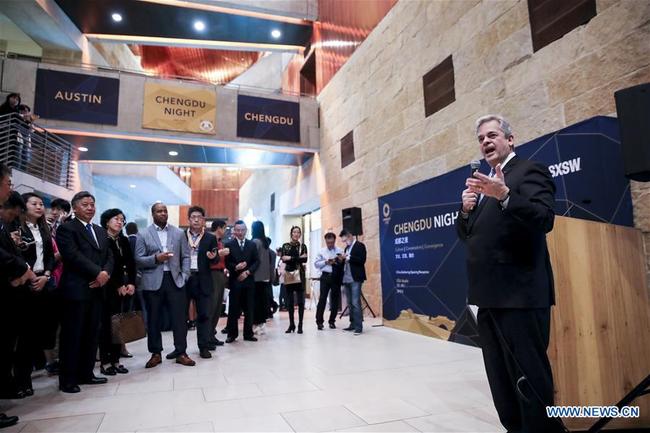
<point>206,125</point>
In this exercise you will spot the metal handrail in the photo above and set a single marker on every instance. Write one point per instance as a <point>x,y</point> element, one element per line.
<point>34,150</point>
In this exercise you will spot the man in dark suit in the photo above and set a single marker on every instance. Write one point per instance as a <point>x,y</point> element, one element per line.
<point>503,222</point>
<point>87,265</point>
<point>354,274</point>
<point>14,272</point>
<point>203,252</point>
<point>242,262</point>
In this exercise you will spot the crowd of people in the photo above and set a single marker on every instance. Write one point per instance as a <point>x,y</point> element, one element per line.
<point>72,277</point>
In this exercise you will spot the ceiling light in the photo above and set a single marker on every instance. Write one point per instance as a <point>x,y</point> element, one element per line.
<point>276,33</point>
<point>199,26</point>
<point>173,153</point>
<point>116,17</point>
<point>132,186</point>
<point>83,149</point>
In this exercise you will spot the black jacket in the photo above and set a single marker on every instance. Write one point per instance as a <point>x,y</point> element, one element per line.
<point>248,255</point>
<point>508,265</point>
<point>48,250</point>
<point>357,261</point>
<point>124,271</point>
<point>12,264</point>
<point>208,243</point>
<point>82,259</point>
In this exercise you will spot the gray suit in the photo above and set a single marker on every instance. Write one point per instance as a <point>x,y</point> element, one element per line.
<point>164,288</point>
<point>148,245</point>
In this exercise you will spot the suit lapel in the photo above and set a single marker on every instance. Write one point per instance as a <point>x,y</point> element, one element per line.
<point>154,235</point>
<point>474,215</point>
<point>86,235</point>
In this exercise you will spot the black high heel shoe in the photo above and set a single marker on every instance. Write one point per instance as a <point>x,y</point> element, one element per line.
<point>300,328</point>
<point>108,371</point>
<point>291,329</point>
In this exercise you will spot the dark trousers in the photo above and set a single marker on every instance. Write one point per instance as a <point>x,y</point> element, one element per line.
<point>174,299</point>
<point>327,286</point>
<point>262,306</point>
<point>299,291</point>
<point>204,310</point>
<point>78,343</point>
<point>219,283</point>
<point>514,343</point>
<point>241,299</point>
<point>8,336</point>
<point>30,334</point>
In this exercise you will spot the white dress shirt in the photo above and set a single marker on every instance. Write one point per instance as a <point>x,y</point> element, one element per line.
<point>36,234</point>
<point>162,236</point>
<point>323,256</point>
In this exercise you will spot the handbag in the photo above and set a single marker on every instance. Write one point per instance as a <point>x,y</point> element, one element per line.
<point>127,326</point>
<point>292,277</point>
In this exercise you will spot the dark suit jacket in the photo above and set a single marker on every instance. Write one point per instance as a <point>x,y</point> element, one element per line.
<point>508,265</point>
<point>357,261</point>
<point>82,259</point>
<point>208,243</point>
<point>248,255</point>
<point>12,264</point>
<point>48,250</point>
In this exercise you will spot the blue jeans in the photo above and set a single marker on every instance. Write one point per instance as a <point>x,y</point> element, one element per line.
<point>353,295</point>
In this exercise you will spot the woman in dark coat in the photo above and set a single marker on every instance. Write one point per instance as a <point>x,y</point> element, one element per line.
<point>118,292</point>
<point>294,256</point>
<point>35,333</point>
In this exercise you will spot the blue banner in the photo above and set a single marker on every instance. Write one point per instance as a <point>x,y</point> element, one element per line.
<point>76,97</point>
<point>268,119</point>
<point>423,262</point>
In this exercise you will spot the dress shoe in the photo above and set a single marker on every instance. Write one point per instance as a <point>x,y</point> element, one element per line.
<point>120,368</point>
<point>70,389</point>
<point>153,361</point>
<point>224,331</point>
<point>205,354</point>
<point>28,392</point>
<point>12,395</point>
<point>216,342</point>
<point>320,327</point>
<point>291,329</point>
<point>108,371</point>
<point>332,326</point>
<point>250,339</point>
<point>191,325</point>
<point>52,368</point>
<point>349,328</point>
<point>300,328</point>
<point>230,340</point>
<point>357,332</point>
<point>126,355</point>
<point>185,360</point>
<point>7,421</point>
<point>94,380</point>
<point>173,355</point>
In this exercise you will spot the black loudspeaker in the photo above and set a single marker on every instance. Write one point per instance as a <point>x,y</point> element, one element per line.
<point>633,108</point>
<point>352,220</point>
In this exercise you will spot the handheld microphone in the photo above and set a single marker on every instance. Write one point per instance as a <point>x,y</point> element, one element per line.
<point>474,166</point>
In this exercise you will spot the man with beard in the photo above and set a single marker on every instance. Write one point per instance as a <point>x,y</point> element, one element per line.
<point>162,254</point>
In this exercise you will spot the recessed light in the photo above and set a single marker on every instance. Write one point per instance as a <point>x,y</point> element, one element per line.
<point>199,26</point>
<point>116,17</point>
<point>132,185</point>
<point>173,153</point>
<point>276,33</point>
<point>83,149</point>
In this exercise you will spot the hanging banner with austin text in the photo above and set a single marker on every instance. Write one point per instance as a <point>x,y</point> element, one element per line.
<point>176,108</point>
<point>268,119</point>
<point>423,269</point>
<point>76,97</point>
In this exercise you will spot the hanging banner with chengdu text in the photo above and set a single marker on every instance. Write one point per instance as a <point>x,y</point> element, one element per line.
<point>176,108</point>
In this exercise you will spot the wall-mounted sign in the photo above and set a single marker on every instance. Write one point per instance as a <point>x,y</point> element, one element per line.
<point>76,97</point>
<point>268,119</point>
<point>176,108</point>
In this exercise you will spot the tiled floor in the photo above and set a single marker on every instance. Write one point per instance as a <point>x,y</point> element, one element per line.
<point>382,381</point>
